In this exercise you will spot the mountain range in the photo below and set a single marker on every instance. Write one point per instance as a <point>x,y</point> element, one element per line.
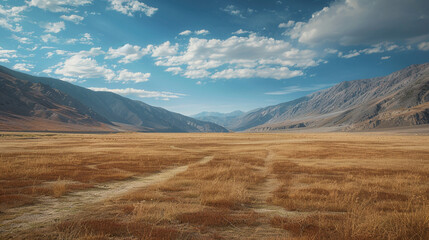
<point>398,100</point>
<point>401,99</point>
<point>38,103</point>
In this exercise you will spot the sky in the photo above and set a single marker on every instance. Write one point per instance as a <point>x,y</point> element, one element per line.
<point>190,56</point>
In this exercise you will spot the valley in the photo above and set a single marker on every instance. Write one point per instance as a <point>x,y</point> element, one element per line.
<point>214,186</point>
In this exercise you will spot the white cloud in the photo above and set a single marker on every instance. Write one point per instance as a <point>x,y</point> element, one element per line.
<point>127,53</point>
<point>289,24</point>
<point>49,38</point>
<point>197,32</point>
<point>5,24</point>
<point>185,33</point>
<point>142,93</point>
<point>4,53</point>
<point>23,67</point>
<point>294,89</point>
<point>85,39</point>
<point>376,48</point>
<point>73,18</point>
<point>4,60</point>
<point>264,72</point>
<point>202,32</point>
<point>174,70</point>
<point>251,56</point>
<point>424,46</point>
<point>354,22</point>
<point>81,66</point>
<point>232,10</point>
<point>164,50</point>
<point>200,73</point>
<point>72,80</point>
<point>137,77</point>
<point>57,5</point>
<point>22,40</point>
<point>241,31</point>
<point>129,7</point>
<point>14,12</point>
<point>11,17</point>
<point>330,51</point>
<point>351,54</point>
<point>55,27</point>
<point>385,57</point>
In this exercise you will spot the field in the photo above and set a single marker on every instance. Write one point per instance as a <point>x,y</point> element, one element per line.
<point>214,186</point>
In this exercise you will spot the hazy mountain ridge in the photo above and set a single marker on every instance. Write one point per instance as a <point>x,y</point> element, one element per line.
<point>348,104</point>
<point>120,110</point>
<point>223,119</point>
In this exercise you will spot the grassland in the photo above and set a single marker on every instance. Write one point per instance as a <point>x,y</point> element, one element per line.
<point>214,186</point>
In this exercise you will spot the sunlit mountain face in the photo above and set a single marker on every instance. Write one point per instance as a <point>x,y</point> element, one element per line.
<point>194,56</point>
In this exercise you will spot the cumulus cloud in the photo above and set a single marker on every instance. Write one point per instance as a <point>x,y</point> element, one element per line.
<point>202,32</point>
<point>197,32</point>
<point>164,50</point>
<point>239,57</point>
<point>10,17</point>
<point>289,24</point>
<point>23,67</point>
<point>198,73</point>
<point>5,24</point>
<point>85,39</point>
<point>174,70</point>
<point>81,66</point>
<point>137,77</point>
<point>127,53</point>
<point>141,93</point>
<point>57,5</point>
<point>22,40</point>
<point>55,27</point>
<point>73,18</point>
<point>6,54</point>
<point>263,72</point>
<point>385,57</point>
<point>354,22</point>
<point>241,31</point>
<point>185,33</point>
<point>49,38</point>
<point>233,10</point>
<point>129,7</point>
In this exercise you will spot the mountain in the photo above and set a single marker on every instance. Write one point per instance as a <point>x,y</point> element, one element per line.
<point>223,119</point>
<point>399,99</point>
<point>123,113</point>
<point>30,106</point>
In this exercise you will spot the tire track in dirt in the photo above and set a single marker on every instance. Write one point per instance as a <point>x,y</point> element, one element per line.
<point>263,192</point>
<point>50,209</point>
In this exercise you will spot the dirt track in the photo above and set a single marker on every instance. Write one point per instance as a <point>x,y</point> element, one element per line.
<point>52,209</point>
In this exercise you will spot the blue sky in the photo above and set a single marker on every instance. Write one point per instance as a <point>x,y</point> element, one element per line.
<point>220,55</point>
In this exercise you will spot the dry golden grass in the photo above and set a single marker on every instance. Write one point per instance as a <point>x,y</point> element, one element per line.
<point>257,186</point>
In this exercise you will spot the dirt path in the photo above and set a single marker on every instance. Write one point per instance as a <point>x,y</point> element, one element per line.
<point>264,191</point>
<point>50,209</point>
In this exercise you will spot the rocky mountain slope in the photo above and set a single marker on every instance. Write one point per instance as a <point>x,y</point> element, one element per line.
<point>124,113</point>
<point>25,106</point>
<point>399,99</point>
